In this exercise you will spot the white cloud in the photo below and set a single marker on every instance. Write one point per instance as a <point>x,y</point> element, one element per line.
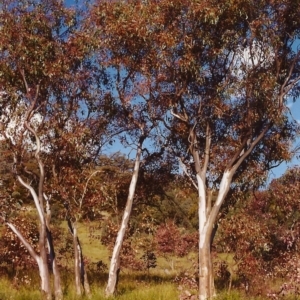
<point>12,124</point>
<point>246,58</point>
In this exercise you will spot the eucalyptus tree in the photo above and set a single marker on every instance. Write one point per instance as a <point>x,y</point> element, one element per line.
<point>131,90</point>
<point>219,74</point>
<point>44,79</point>
<point>138,126</point>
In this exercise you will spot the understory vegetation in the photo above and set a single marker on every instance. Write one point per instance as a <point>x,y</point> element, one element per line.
<point>255,258</point>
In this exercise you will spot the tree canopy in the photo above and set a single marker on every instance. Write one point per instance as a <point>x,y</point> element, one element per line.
<point>199,89</point>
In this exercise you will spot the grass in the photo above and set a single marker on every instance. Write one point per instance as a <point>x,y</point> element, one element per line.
<point>91,247</point>
<point>158,285</point>
<point>9,292</point>
<point>132,287</point>
<point>128,290</point>
<point>140,291</point>
<point>235,295</point>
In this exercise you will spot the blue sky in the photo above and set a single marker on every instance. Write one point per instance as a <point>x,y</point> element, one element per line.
<point>277,172</point>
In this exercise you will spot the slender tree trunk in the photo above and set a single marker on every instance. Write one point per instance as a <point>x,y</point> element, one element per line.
<point>57,281</point>
<point>38,198</point>
<point>86,283</point>
<point>41,259</point>
<point>43,263</point>
<point>115,259</point>
<point>83,273</point>
<point>76,263</point>
<point>204,244</point>
<point>56,274</point>
<point>81,278</point>
<point>77,272</point>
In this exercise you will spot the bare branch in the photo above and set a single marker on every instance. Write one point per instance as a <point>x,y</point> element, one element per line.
<point>184,168</point>
<point>206,151</point>
<point>86,186</point>
<point>34,196</point>
<point>283,86</point>
<point>251,147</point>
<point>24,241</point>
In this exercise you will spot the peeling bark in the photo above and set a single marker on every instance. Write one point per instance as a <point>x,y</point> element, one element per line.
<point>206,233</point>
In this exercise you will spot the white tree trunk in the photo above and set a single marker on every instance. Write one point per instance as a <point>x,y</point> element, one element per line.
<point>76,263</point>
<point>44,275</point>
<point>82,269</point>
<point>38,198</point>
<point>206,281</point>
<point>56,274</point>
<point>81,279</point>
<point>57,282</point>
<point>41,261</point>
<point>115,260</point>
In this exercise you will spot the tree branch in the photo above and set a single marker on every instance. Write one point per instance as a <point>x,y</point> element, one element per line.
<point>23,240</point>
<point>183,167</point>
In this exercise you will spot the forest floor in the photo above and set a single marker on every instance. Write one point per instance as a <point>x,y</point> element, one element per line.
<point>165,282</point>
<point>129,289</point>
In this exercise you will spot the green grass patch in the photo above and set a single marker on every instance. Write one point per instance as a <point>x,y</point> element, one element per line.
<point>9,292</point>
<point>158,292</point>
<point>131,287</point>
<point>91,247</point>
<point>134,291</point>
<point>128,290</point>
<point>236,295</point>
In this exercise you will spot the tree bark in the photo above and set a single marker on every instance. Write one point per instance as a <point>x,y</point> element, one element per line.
<point>206,233</point>
<point>81,278</point>
<point>86,283</point>
<point>44,275</point>
<point>38,198</point>
<point>41,260</point>
<point>43,263</point>
<point>76,263</point>
<point>77,272</point>
<point>115,259</point>
<point>83,273</point>
<point>56,274</point>
<point>205,288</point>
